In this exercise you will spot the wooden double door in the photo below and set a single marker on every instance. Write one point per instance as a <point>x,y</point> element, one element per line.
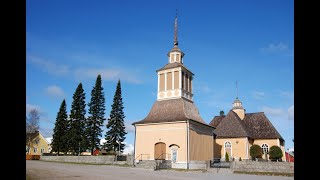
<point>160,151</point>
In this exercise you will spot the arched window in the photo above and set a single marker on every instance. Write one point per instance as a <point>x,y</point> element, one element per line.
<point>174,152</point>
<point>227,145</point>
<point>227,148</point>
<point>265,148</point>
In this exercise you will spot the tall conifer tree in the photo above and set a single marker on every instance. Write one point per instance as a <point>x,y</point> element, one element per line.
<point>59,138</point>
<point>76,135</point>
<point>116,128</point>
<point>96,118</point>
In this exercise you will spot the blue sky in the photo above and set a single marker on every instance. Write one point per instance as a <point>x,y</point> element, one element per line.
<point>68,42</point>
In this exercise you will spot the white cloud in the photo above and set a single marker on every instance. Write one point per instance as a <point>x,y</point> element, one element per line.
<point>55,91</point>
<point>128,148</point>
<point>46,132</point>
<point>273,111</point>
<point>258,94</point>
<point>287,94</point>
<point>48,66</point>
<point>291,113</point>
<point>274,48</point>
<point>49,139</point>
<point>102,141</point>
<point>129,127</point>
<point>29,107</point>
<point>107,74</point>
<point>202,87</point>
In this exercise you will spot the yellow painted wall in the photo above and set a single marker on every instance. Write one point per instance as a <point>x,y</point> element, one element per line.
<point>238,147</point>
<point>240,113</point>
<point>270,142</point>
<point>147,135</point>
<point>161,88</point>
<point>43,144</point>
<point>169,81</point>
<point>201,146</point>
<point>176,79</point>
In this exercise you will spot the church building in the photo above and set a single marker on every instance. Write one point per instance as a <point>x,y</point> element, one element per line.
<point>237,131</point>
<point>174,130</point>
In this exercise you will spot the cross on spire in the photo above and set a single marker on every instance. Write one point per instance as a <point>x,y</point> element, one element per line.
<point>175,42</point>
<point>237,89</point>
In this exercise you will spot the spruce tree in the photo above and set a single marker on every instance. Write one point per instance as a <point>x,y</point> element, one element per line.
<point>116,128</point>
<point>59,139</point>
<point>96,118</point>
<point>77,139</point>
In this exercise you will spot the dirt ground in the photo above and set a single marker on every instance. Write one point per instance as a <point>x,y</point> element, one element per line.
<point>54,170</point>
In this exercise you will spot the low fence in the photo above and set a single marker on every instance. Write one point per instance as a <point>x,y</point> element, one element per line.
<point>109,159</point>
<point>254,166</point>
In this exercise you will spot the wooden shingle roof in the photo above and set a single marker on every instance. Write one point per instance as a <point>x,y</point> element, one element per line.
<point>174,65</point>
<point>260,126</point>
<point>172,110</point>
<point>254,125</point>
<point>231,126</point>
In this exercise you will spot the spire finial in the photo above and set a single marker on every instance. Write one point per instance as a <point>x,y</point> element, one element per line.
<point>175,43</point>
<point>237,89</point>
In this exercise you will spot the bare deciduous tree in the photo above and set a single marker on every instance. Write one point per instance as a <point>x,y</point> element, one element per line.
<point>32,128</point>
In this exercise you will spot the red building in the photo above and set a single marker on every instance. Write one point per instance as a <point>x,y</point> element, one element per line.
<point>289,157</point>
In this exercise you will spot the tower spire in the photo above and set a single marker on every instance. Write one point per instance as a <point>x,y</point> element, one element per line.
<point>175,42</point>
<point>237,89</point>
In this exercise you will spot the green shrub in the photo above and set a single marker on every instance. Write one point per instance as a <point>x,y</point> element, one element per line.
<point>227,157</point>
<point>275,153</point>
<point>255,151</point>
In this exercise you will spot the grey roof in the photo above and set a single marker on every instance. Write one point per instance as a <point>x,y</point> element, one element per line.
<point>231,126</point>
<point>174,65</point>
<point>172,110</point>
<point>216,120</point>
<point>176,49</point>
<point>260,126</point>
<point>254,125</point>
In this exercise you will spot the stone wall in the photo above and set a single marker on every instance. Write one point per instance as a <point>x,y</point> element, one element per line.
<point>88,159</point>
<point>254,166</point>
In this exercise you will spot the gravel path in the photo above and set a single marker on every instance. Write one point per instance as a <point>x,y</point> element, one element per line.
<point>54,170</point>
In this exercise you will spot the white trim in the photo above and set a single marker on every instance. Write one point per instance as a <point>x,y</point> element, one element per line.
<point>165,81</point>
<point>279,143</point>
<point>158,82</point>
<point>172,148</point>
<point>262,147</point>
<point>180,80</point>
<point>160,123</point>
<point>247,147</point>
<point>188,147</point>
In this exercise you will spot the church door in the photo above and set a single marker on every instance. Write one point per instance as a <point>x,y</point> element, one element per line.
<point>160,150</point>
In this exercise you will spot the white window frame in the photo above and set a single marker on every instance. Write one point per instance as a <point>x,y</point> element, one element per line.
<point>35,150</point>
<point>263,147</point>
<point>42,150</point>
<point>225,143</point>
<point>174,148</point>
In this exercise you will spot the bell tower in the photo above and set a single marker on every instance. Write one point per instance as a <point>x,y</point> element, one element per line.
<point>174,79</point>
